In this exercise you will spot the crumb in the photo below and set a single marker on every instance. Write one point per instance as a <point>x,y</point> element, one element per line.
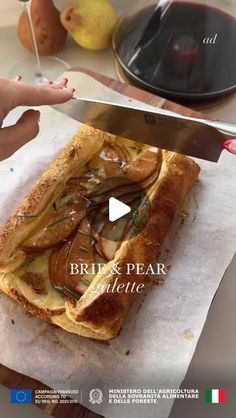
<point>188,334</point>
<point>183,214</point>
<point>12,321</point>
<point>127,352</point>
<point>11,169</point>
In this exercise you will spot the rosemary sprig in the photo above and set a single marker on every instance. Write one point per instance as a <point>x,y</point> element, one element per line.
<point>63,218</point>
<point>85,281</point>
<point>83,248</point>
<point>71,202</point>
<point>67,291</point>
<point>72,152</point>
<point>137,149</point>
<point>28,262</point>
<point>93,239</point>
<point>94,172</point>
<point>27,216</point>
<point>64,193</point>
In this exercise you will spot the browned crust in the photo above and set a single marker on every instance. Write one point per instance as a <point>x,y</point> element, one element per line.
<point>34,310</point>
<point>35,281</point>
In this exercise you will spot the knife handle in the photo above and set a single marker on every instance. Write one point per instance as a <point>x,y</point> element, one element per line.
<point>230,146</point>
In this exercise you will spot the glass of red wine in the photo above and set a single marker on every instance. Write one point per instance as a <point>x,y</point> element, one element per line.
<point>180,49</point>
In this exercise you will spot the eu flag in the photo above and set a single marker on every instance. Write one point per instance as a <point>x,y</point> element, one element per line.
<point>21,396</point>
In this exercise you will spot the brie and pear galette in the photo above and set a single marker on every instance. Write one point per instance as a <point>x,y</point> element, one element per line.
<point>63,223</point>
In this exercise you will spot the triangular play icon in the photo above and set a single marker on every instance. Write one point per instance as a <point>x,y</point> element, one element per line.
<point>117,209</point>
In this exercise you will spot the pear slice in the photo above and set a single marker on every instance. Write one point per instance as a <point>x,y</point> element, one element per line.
<point>57,226</point>
<point>111,235</point>
<point>76,251</point>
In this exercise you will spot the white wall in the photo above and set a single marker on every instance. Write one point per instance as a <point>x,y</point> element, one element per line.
<point>11,9</point>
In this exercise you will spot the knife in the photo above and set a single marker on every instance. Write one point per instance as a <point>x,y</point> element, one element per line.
<point>200,138</point>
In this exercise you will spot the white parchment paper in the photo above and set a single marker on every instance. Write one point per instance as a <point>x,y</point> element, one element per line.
<point>163,325</point>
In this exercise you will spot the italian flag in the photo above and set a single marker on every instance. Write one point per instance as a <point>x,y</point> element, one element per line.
<point>215,395</point>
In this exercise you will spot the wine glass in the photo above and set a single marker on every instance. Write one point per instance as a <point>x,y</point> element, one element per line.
<point>37,69</point>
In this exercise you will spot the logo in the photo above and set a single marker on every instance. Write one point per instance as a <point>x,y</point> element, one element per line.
<point>95,396</point>
<point>215,395</point>
<point>22,396</point>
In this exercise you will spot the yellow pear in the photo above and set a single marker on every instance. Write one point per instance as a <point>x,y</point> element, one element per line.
<point>90,22</point>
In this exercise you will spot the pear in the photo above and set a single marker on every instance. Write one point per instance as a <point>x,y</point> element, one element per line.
<point>49,32</point>
<point>90,23</point>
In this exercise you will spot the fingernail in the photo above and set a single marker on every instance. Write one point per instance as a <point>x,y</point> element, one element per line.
<point>18,78</point>
<point>230,145</point>
<point>63,81</point>
<point>69,89</point>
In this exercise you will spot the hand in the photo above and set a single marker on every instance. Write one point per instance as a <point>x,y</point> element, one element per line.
<point>15,93</point>
<point>230,145</point>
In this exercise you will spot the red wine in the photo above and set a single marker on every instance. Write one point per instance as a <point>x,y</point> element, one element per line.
<point>187,52</point>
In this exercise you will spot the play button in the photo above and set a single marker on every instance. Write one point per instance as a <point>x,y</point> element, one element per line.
<point>117,209</point>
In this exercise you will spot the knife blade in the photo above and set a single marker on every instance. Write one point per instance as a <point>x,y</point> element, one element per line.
<point>185,135</point>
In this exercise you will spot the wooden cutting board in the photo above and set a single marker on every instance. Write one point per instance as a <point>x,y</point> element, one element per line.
<point>13,379</point>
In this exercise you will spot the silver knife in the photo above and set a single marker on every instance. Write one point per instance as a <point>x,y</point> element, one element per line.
<point>200,138</point>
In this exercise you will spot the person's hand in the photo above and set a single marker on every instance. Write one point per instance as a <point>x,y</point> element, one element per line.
<point>15,93</point>
<point>230,145</point>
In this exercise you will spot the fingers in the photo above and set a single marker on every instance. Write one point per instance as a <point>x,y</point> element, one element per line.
<point>231,146</point>
<point>15,136</point>
<point>17,93</point>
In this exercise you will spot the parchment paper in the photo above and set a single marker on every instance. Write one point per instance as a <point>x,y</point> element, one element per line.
<point>160,334</point>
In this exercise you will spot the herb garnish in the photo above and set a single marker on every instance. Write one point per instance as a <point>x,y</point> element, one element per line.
<point>27,216</point>
<point>64,193</point>
<point>137,149</point>
<point>72,152</point>
<point>85,281</point>
<point>28,262</point>
<point>63,218</point>
<point>83,248</point>
<point>71,202</point>
<point>94,171</point>
<point>68,292</point>
<point>93,239</point>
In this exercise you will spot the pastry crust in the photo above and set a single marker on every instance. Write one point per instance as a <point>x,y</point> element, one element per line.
<point>96,314</point>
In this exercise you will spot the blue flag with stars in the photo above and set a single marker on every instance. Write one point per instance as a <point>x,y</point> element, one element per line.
<point>21,396</point>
